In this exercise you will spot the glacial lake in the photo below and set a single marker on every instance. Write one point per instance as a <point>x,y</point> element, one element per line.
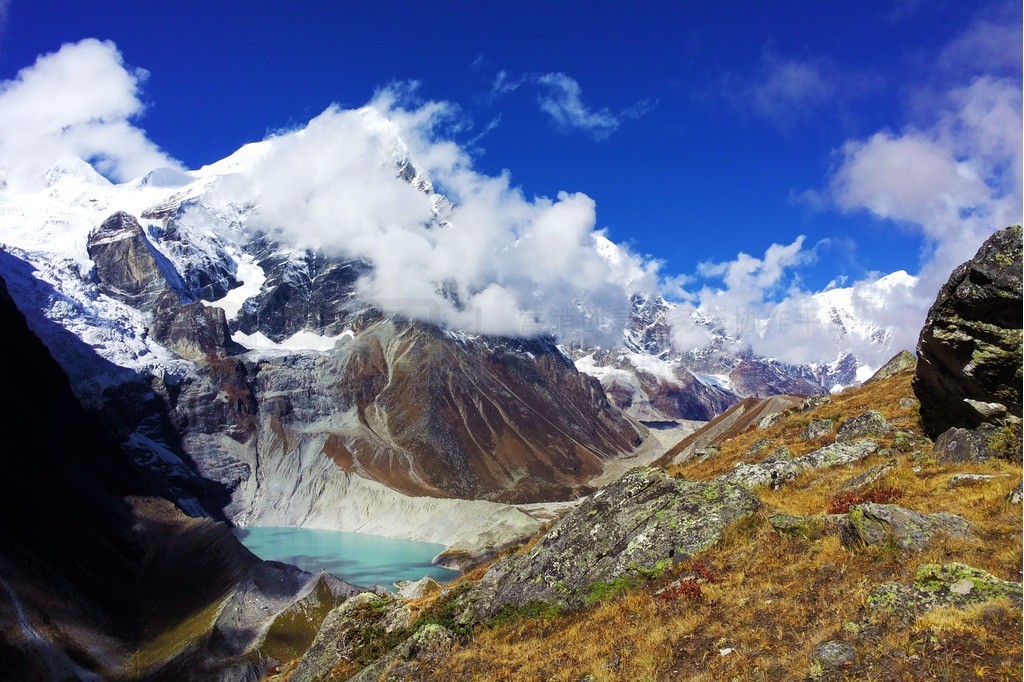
<point>364,560</point>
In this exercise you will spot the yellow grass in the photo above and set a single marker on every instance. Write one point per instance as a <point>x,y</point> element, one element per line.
<point>776,599</point>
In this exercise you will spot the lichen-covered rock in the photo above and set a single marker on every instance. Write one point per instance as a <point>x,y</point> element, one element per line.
<point>706,453</point>
<point>938,585</point>
<point>772,471</point>
<point>874,524</point>
<point>353,635</point>
<point>904,361</point>
<point>961,480</point>
<point>969,369</point>
<point>870,476</point>
<point>870,424</point>
<point>979,444</point>
<point>1016,496</point>
<point>813,402</point>
<point>759,446</point>
<point>427,646</point>
<point>837,454</point>
<point>818,428</point>
<point>633,528</point>
<point>806,527</point>
<point>834,654</point>
<point>909,403</point>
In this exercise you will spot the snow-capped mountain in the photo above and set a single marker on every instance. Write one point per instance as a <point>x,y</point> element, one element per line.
<point>249,376</point>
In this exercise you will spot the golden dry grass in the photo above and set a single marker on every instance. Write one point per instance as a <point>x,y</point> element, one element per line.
<point>775,599</point>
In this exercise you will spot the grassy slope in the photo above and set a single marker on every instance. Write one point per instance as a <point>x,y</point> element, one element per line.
<point>773,600</point>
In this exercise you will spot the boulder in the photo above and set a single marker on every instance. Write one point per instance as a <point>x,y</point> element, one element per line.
<point>813,402</point>
<point>629,530</point>
<point>353,635</point>
<point>870,476</point>
<point>834,654</point>
<point>977,445</point>
<point>941,585</point>
<point>818,428</point>
<point>969,352</point>
<point>417,589</point>
<point>837,454</point>
<point>772,471</point>
<point>904,361</point>
<point>1016,496</point>
<point>961,480</point>
<point>870,424</point>
<point>873,524</point>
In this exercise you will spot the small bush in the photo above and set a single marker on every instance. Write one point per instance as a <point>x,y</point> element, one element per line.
<point>841,503</point>
<point>687,588</point>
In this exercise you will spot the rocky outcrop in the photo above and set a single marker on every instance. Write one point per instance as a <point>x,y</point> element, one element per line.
<point>128,268</point>
<point>637,526</point>
<point>807,527</point>
<point>873,524</point>
<point>870,424</point>
<point>192,330</point>
<point>941,585</point>
<point>904,361</point>
<point>354,635</point>
<point>969,369</point>
<point>97,577</point>
<point>977,445</point>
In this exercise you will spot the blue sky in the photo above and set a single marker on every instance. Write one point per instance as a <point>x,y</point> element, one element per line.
<point>700,130</point>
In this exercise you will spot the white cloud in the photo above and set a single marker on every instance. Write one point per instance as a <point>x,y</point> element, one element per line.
<point>508,258</point>
<point>561,99</point>
<point>954,178</point>
<point>75,103</point>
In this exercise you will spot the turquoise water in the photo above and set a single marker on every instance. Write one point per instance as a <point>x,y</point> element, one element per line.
<point>364,560</point>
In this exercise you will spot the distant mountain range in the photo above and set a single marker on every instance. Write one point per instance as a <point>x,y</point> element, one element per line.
<point>251,381</point>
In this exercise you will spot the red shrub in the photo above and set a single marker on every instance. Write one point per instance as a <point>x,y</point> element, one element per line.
<point>841,503</point>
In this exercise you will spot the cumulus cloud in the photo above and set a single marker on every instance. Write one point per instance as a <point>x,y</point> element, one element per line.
<point>953,177</point>
<point>493,260</point>
<point>75,103</point>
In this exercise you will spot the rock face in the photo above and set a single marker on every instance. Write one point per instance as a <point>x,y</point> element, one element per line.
<point>128,268</point>
<point>872,524</point>
<point>640,524</point>
<point>969,368</point>
<point>92,568</point>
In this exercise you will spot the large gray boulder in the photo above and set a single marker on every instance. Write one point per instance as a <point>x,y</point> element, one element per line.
<point>837,454</point>
<point>969,353</point>
<point>875,524</point>
<point>870,424</point>
<point>633,528</point>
